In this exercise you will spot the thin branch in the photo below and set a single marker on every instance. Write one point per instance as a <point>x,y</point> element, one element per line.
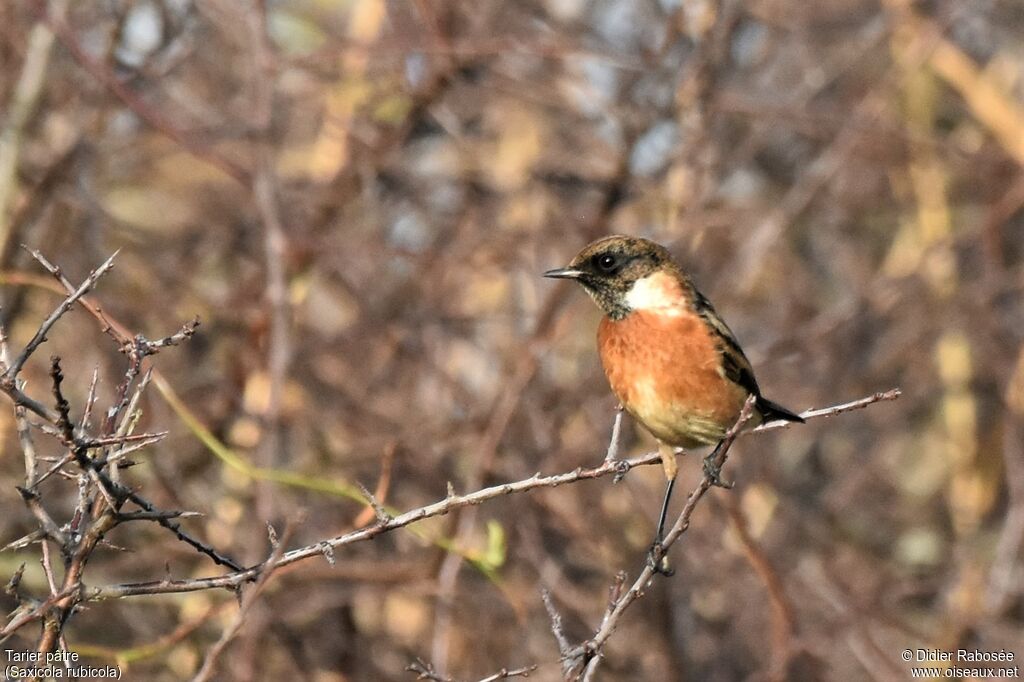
<point>64,307</point>
<point>46,522</point>
<point>139,439</point>
<point>826,412</point>
<point>186,332</point>
<point>90,403</point>
<point>444,506</point>
<point>267,569</point>
<point>383,483</point>
<point>64,425</point>
<point>568,661</point>
<point>505,674</point>
<point>30,616</point>
<point>28,448</point>
<point>590,651</point>
<point>379,511</point>
<point>425,671</point>
<point>556,624</point>
<point>154,515</point>
<point>198,545</point>
<point>24,540</point>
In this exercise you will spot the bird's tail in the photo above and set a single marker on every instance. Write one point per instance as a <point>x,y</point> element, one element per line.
<point>772,411</point>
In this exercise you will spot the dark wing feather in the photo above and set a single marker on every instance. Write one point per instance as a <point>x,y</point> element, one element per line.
<point>734,363</point>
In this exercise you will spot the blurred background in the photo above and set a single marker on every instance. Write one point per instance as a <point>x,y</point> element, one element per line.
<point>357,198</point>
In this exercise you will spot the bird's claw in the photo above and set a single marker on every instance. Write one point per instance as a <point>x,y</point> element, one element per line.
<point>658,560</point>
<point>714,472</point>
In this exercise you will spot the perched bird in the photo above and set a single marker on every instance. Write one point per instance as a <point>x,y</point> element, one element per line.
<point>670,359</point>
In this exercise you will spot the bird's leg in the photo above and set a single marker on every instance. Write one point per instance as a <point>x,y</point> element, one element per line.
<point>714,471</point>
<point>656,556</point>
<point>660,535</point>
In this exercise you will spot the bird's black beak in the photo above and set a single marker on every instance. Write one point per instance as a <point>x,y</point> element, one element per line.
<point>564,273</point>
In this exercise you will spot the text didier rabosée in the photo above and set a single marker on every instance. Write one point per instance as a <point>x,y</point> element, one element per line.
<point>963,655</point>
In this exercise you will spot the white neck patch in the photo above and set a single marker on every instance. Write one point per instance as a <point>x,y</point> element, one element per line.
<point>658,291</point>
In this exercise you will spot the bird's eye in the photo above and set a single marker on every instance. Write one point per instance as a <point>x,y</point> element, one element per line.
<point>607,262</point>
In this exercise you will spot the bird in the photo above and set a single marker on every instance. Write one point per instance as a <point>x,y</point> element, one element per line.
<point>672,362</point>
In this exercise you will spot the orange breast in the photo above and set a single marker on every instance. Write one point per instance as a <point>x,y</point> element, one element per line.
<point>665,370</point>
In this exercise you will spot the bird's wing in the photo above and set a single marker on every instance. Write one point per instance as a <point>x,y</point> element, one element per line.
<point>735,365</point>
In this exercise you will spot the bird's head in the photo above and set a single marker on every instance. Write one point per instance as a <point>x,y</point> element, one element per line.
<point>623,274</point>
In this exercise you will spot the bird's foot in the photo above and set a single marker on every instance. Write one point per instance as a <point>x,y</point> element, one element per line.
<point>714,472</point>
<point>657,559</point>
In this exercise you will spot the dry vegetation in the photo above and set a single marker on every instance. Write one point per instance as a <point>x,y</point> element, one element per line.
<point>356,198</point>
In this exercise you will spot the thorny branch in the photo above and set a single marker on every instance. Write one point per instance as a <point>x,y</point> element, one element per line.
<point>101,497</point>
<point>276,547</point>
<point>439,508</point>
<point>587,656</point>
<point>425,671</point>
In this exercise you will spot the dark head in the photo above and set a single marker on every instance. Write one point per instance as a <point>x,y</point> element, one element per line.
<point>610,268</point>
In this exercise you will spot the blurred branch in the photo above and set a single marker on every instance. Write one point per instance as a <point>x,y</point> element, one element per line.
<point>124,657</point>
<point>265,193</point>
<point>856,631</point>
<point>1002,581</point>
<point>152,116</point>
<point>992,107</point>
<point>442,507</point>
<point>783,620</point>
<point>19,109</point>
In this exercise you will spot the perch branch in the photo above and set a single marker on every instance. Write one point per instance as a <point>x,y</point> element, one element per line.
<point>440,508</point>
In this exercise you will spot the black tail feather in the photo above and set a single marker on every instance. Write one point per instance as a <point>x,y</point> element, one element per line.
<point>772,411</point>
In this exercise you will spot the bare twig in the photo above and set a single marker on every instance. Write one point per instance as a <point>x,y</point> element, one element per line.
<point>64,307</point>
<point>154,515</point>
<point>31,615</point>
<point>589,653</point>
<point>826,412</point>
<point>64,425</point>
<point>440,508</point>
<point>46,522</point>
<point>556,624</point>
<point>505,674</point>
<point>198,545</point>
<point>186,332</point>
<point>426,671</point>
<point>378,509</point>
<point>266,570</point>
<point>90,403</point>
